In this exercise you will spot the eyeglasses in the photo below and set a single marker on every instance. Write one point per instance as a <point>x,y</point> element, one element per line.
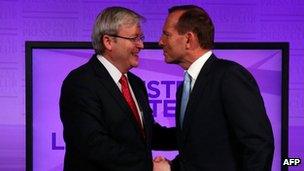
<point>136,39</point>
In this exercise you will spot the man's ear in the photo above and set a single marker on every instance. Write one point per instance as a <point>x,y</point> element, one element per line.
<point>107,41</point>
<point>190,37</point>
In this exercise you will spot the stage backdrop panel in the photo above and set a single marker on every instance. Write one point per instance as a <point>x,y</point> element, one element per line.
<point>49,67</point>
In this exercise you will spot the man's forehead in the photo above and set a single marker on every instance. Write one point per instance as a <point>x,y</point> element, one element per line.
<point>173,18</point>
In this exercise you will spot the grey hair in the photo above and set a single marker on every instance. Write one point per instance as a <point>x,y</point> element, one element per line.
<point>108,23</point>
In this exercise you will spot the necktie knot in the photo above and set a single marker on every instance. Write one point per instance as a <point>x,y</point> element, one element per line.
<point>187,78</point>
<point>123,80</point>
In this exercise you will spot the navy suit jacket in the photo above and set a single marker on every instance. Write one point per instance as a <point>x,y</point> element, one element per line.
<point>100,132</point>
<point>225,127</point>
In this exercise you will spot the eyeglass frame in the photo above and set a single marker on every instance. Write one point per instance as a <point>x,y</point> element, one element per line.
<point>132,39</point>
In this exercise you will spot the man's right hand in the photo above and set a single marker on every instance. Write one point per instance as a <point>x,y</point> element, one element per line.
<point>161,164</point>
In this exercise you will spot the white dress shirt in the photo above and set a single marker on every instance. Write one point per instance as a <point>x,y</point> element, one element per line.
<point>196,67</point>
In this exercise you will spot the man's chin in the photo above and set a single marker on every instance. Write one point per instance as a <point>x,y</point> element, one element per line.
<point>169,61</point>
<point>135,64</point>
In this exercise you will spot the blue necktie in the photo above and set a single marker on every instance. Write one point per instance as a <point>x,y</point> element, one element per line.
<point>185,97</point>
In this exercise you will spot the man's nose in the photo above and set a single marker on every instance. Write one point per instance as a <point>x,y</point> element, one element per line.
<point>160,42</point>
<point>140,44</point>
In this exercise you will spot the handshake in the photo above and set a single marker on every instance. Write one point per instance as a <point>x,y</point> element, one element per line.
<point>160,163</point>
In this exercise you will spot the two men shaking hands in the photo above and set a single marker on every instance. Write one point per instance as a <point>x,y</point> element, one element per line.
<point>221,122</point>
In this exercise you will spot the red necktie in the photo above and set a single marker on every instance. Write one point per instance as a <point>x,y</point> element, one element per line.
<point>129,99</point>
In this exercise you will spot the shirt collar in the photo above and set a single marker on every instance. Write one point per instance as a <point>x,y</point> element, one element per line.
<point>197,65</point>
<point>114,72</point>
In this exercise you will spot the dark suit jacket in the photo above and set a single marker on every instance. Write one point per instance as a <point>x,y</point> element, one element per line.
<point>99,130</point>
<point>225,126</point>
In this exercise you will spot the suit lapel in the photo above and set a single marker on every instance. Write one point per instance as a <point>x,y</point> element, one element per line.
<point>178,104</point>
<point>106,79</point>
<point>181,136</point>
<point>140,97</point>
<point>197,92</point>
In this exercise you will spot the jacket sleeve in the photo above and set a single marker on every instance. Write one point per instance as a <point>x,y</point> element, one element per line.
<point>163,138</point>
<point>180,164</point>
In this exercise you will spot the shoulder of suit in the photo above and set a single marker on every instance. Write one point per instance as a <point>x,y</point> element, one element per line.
<point>225,64</point>
<point>79,73</point>
<point>231,67</point>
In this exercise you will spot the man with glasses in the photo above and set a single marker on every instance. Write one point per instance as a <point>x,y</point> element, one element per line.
<point>104,108</point>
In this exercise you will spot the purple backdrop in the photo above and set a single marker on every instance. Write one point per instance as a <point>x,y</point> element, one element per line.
<point>50,67</point>
<point>240,20</point>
